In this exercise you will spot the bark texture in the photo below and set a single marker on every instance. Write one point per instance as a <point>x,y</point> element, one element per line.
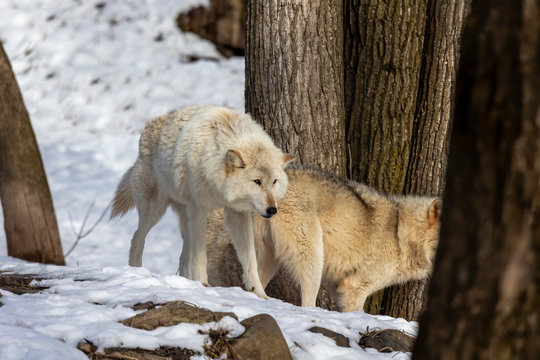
<point>384,42</point>
<point>401,61</point>
<point>294,72</point>
<point>29,219</point>
<point>484,298</point>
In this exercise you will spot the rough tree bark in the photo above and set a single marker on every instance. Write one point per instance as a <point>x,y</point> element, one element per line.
<point>401,61</point>
<point>484,300</point>
<point>294,87</point>
<point>294,71</point>
<point>29,219</point>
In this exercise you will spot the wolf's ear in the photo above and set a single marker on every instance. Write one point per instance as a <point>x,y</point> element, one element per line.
<point>233,160</point>
<point>434,212</point>
<point>287,158</point>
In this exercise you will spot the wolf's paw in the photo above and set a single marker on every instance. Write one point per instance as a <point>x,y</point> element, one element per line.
<point>261,294</point>
<point>205,284</point>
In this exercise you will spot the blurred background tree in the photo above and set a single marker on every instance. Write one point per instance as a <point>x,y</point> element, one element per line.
<point>29,218</point>
<point>484,299</point>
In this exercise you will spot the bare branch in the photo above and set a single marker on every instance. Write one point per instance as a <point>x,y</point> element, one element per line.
<point>81,234</point>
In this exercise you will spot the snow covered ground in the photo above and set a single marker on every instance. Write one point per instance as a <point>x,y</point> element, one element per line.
<point>91,73</point>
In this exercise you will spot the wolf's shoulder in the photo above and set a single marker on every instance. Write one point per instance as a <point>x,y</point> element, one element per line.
<point>334,184</point>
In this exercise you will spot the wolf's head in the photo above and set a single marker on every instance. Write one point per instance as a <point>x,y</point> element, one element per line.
<point>418,227</point>
<point>256,179</point>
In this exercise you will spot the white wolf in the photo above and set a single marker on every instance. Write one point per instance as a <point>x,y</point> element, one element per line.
<point>198,159</point>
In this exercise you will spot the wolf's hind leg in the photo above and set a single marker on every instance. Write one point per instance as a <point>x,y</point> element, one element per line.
<point>150,211</point>
<point>148,217</point>
<point>352,292</point>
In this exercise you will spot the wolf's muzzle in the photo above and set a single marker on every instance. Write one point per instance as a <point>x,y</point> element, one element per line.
<point>270,211</point>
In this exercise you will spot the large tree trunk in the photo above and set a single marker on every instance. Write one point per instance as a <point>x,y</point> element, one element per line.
<point>29,219</point>
<point>401,60</point>
<point>294,87</point>
<point>484,300</point>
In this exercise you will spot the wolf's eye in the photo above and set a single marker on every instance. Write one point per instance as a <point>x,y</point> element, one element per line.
<point>257,181</point>
<point>275,181</point>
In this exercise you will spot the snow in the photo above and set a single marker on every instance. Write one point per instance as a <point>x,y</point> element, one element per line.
<point>91,73</point>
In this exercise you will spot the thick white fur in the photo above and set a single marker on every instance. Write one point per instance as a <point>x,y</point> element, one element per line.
<point>342,232</point>
<point>198,159</point>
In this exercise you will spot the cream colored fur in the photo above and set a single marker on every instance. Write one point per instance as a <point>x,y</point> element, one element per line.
<point>198,159</point>
<point>329,229</point>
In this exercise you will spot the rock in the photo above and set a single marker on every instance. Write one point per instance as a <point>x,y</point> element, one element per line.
<point>173,313</point>
<point>222,23</point>
<point>340,339</point>
<point>144,306</point>
<point>388,340</point>
<point>262,340</point>
<point>162,353</point>
<point>87,347</point>
<point>19,283</point>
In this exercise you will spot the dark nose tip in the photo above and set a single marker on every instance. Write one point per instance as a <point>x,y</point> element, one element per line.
<point>271,211</point>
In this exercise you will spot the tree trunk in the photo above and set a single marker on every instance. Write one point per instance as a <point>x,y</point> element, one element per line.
<point>29,219</point>
<point>294,72</point>
<point>484,298</point>
<point>401,60</point>
<point>294,87</point>
<point>384,55</point>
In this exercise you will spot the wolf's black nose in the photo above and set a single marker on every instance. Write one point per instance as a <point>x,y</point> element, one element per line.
<point>271,211</point>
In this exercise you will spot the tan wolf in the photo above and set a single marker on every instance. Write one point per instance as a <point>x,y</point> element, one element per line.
<point>342,232</point>
<point>198,159</point>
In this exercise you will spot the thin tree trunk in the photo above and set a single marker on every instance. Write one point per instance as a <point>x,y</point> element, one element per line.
<point>294,87</point>
<point>484,298</point>
<point>29,219</point>
<point>399,83</point>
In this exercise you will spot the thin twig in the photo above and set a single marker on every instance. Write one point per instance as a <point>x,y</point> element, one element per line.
<point>80,235</point>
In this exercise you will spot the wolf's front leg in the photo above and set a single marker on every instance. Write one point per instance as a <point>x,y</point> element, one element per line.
<point>299,241</point>
<point>240,227</point>
<point>310,282</point>
<point>184,265</point>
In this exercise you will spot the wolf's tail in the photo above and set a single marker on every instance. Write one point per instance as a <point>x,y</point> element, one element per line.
<point>123,199</point>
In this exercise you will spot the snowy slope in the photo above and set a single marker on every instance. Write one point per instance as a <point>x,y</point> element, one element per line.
<point>71,311</point>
